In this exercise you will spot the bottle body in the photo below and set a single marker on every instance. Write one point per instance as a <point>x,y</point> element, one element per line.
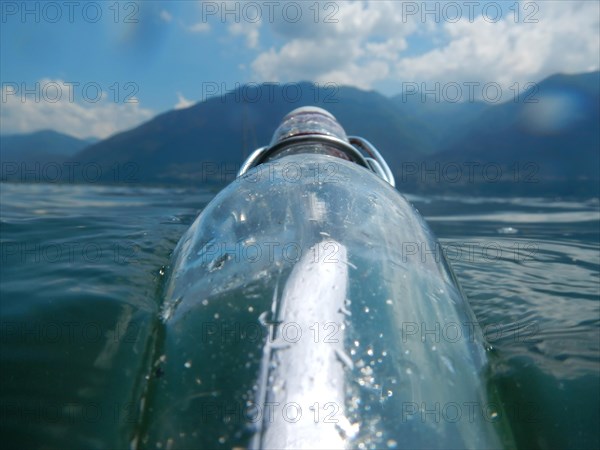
<point>310,306</point>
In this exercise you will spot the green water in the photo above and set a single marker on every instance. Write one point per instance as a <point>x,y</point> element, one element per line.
<point>82,269</point>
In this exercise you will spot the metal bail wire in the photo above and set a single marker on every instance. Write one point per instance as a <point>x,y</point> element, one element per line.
<point>358,150</point>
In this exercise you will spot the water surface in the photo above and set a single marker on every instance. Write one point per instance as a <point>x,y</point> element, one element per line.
<point>81,275</point>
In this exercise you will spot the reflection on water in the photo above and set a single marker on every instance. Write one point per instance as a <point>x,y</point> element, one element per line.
<point>82,268</point>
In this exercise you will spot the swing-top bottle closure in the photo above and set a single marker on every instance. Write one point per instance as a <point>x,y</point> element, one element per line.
<point>310,129</point>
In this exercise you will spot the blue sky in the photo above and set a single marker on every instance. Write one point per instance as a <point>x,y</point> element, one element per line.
<point>96,68</point>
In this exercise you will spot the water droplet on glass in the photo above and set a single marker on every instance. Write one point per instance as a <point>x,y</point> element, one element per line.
<point>345,311</point>
<point>344,359</point>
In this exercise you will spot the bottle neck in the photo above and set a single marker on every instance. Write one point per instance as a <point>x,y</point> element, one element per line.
<point>312,130</point>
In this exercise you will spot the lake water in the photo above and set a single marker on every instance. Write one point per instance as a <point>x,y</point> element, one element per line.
<point>82,269</point>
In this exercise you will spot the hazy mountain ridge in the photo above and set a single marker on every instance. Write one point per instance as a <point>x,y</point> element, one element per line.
<point>559,134</point>
<point>41,146</point>
<point>554,138</point>
<point>223,130</point>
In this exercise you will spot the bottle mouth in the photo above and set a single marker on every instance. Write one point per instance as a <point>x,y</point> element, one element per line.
<point>308,120</point>
<point>313,130</point>
<point>310,129</point>
<point>309,110</point>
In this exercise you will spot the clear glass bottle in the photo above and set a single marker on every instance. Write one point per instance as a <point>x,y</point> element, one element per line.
<point>310,306</point>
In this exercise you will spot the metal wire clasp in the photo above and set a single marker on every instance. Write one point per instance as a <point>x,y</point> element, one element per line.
<point>358,150</point>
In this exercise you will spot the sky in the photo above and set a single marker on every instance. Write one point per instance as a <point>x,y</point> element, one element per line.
<point>92,69</point>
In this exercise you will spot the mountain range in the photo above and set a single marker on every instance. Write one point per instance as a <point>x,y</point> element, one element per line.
<point>41,146</point>
<point>544,140</point>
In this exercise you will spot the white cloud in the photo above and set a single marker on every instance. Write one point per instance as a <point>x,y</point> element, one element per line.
<point>250,30</point>
<point>242,19</point>
<point>564,39</point>
<point>166,16</point>
<point>304,59</point>
<point>388,50</point>
<point>370,43</point>
<point>182,102</point>
<point>355,44</point>
<point>358,75</point>
<point>72,112</point>
<point>200,27</point>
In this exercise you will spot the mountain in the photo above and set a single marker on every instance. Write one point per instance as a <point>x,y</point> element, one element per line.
<point>41,146</point>
<point>545,141</point>
<point>39,156</point>
<point>444,121</point>
<point>211,139</point>
<point>549,138</point>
